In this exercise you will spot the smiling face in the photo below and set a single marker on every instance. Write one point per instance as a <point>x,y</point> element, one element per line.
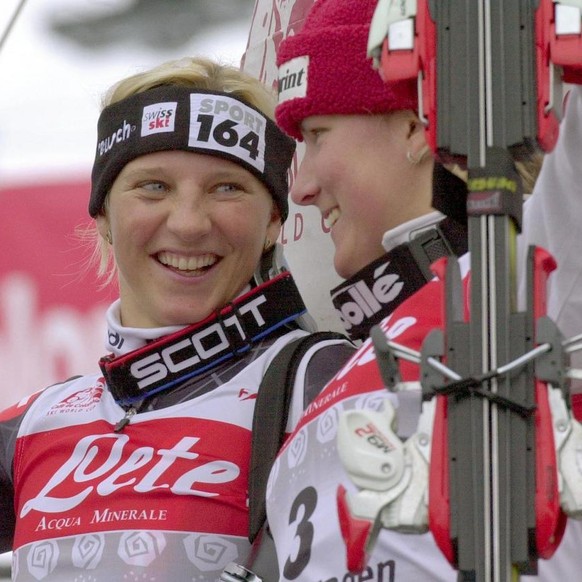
<point>355,171</point>
<point>188,231</point>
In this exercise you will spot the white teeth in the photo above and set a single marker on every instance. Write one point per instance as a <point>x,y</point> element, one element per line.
<point>187,263</point>
<point>332,217</point>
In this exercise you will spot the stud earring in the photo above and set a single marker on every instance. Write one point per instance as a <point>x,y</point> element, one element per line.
<point>108,237</point>
<point>268,244</point>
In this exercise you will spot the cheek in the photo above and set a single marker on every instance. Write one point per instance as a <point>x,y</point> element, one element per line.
<point>334,174</point>
<point>130,239</point>
<point>246,230</point>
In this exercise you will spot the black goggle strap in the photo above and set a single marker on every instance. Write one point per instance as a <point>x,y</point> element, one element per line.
<point>164,363</point>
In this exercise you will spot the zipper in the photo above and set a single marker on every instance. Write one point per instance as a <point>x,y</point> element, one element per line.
<point>129,414</point>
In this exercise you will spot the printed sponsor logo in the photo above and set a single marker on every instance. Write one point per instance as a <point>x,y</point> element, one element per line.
<point>484,202</point>
<point>206,344</point>
<point>333,392</point>
<point>58,524</point>
<point>81,401</point>
<point>375,437</point>
<point>225,124</point>
<point>365,301</point>
<point>483,183</point>
<point>106,515</point>
<point>244,394</point>
<point>118,136</point>
<point>158,118</point>
<point>115,340</point>
<point>376,572</point>
<point>293,79</point>
<point>104,464</point>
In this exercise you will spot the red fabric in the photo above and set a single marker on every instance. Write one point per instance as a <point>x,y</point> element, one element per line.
<point>339,76</point>
<point>576,400</point>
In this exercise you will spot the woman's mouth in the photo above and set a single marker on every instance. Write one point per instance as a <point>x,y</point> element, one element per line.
<point>331,217</point>
<point>188,265</point>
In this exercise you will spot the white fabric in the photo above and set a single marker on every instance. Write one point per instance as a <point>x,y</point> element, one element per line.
<point>406,232</point>
<point>553,216</point>
<point>121,340</point>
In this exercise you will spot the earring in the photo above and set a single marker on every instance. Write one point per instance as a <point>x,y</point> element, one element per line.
<point>108,237</point>
<point>416,160</point>
<point>268,244</point>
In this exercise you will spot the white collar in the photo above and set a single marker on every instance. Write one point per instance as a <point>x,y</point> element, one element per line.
<point>121,340</point>
<point>405,232</point>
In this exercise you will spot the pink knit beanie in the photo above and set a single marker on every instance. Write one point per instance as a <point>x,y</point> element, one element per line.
<point>324,69</point>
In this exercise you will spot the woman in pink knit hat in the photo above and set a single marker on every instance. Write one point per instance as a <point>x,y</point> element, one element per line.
<point>367,165</point>
<point>391,209</point>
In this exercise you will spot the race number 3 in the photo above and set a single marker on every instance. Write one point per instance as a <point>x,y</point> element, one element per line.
<point>223,124</point>
<point>301,510</point>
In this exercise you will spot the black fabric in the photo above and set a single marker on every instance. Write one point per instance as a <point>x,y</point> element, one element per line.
<point>323,366</point>
<point>449,194</point>
<point>270,420</point>
<point>162,119</point>
<point>8,433</point>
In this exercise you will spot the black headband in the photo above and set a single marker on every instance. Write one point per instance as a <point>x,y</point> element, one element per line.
<point>171,117</point>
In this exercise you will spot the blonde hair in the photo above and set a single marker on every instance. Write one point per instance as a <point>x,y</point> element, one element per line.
<point>527,168</point>
<point>190,72</point>
<point>196,73</point>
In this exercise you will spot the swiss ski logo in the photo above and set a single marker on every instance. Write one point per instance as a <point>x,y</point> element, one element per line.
<point>158,118</point>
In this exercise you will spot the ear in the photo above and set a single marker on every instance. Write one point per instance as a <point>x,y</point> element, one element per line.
<point>103,227</point>
<point>274,226</point>
<point>416,139</point>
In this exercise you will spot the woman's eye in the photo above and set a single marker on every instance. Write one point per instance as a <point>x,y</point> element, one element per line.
<point>230,188</point>
<point>313,134</point>
<point>153,187</point>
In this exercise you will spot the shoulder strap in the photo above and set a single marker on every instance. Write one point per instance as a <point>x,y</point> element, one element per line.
<point>270,419</point>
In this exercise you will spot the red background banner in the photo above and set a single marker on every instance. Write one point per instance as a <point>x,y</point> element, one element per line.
<point>51,304</point>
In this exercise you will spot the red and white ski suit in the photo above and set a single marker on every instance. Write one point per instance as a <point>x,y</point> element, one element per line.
<point>301,504</point>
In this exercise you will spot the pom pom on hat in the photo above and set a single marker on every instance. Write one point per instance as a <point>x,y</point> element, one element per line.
<point>324,69</point>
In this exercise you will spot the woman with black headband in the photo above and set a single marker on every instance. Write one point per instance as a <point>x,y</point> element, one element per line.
<point>140,471</point>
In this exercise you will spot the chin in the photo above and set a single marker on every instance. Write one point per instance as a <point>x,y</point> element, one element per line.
<point>342,269</point>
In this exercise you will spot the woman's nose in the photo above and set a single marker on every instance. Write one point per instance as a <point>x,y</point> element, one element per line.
<point>189,218</point>
<point>304,190</point>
